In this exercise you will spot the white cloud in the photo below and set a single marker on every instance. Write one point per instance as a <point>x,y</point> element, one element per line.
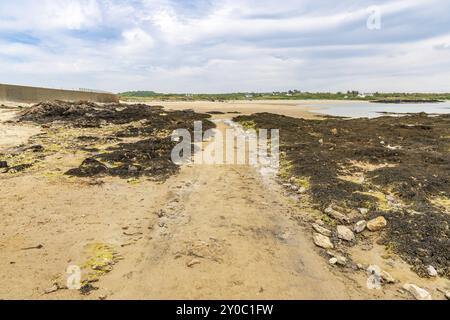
<point>226,45</point>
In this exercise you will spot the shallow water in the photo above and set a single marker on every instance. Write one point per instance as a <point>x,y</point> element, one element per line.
<point>373,110</point>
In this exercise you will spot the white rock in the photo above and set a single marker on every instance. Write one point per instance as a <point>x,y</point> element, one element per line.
<point>377,224</point>
<point>447,295</point>
<point>322,241</point>
<point>333,261</point>
<point>321,230</point>
<point>345,233</point>
<point>432,271</point>
<point>360,226</point>
<point>341,260</point>
<point>417,292</point>
<point>363,211</point>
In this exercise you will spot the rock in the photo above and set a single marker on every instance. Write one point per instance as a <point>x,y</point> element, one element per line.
<point>387,277</point>
<point>193,262</point>
<point>360,226</point>
<point>377,224</point>
<point>302,190</point>
<point>132,169</point>
<point>333,261</point>
<point>340,260</point>
<point>432,271</point>
<point>360,266</point>
<point>322,241</point>
<point>321,230</point>
<point>417,292</point>
<point>345,233</point>
<point>447,295</point>
<point>363,211</point>
<point>319,222</point>
<point>337,215</point>
<point>3,164</point>
<point>52,289</point>
<point>334,131</point>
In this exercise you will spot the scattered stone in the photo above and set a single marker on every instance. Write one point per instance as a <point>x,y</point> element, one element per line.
<point>360,226</point>
<point>417,292</point>
<point>360,266</point>
<point>432,271</point>
<point>341,260</point>
<point>3,164</point>
<point>334,131</point>
<point>363,211</point>
<point>447,295</point>
<point>386,277</point>
<point>336,215</point>
<point>321,230</point>
<point>377,224</point>
<point>333,261</point>
<point>345,233</point>
<point>193,262</point>
<point>322,241</point>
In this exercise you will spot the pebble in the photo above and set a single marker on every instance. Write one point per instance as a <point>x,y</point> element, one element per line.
<point>363,211</point>
<point>432,271</point>
<point>360,226</point>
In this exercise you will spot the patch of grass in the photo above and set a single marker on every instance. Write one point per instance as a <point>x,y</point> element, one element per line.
<point>248,125</point>
<point>328,221</point>
<point>382,202</point>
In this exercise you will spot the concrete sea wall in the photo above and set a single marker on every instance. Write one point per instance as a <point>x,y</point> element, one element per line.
<point>23,94</point>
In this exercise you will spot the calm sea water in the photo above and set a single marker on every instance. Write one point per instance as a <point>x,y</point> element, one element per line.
<point>372,110</point>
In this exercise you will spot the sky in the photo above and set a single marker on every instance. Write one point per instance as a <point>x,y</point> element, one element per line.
<point>209,46</point>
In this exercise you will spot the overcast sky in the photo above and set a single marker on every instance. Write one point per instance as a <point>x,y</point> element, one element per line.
<point>227,45</point>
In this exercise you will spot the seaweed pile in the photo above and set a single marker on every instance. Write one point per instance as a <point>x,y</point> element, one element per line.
<point>395,166</point>
<point>150,127</point>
